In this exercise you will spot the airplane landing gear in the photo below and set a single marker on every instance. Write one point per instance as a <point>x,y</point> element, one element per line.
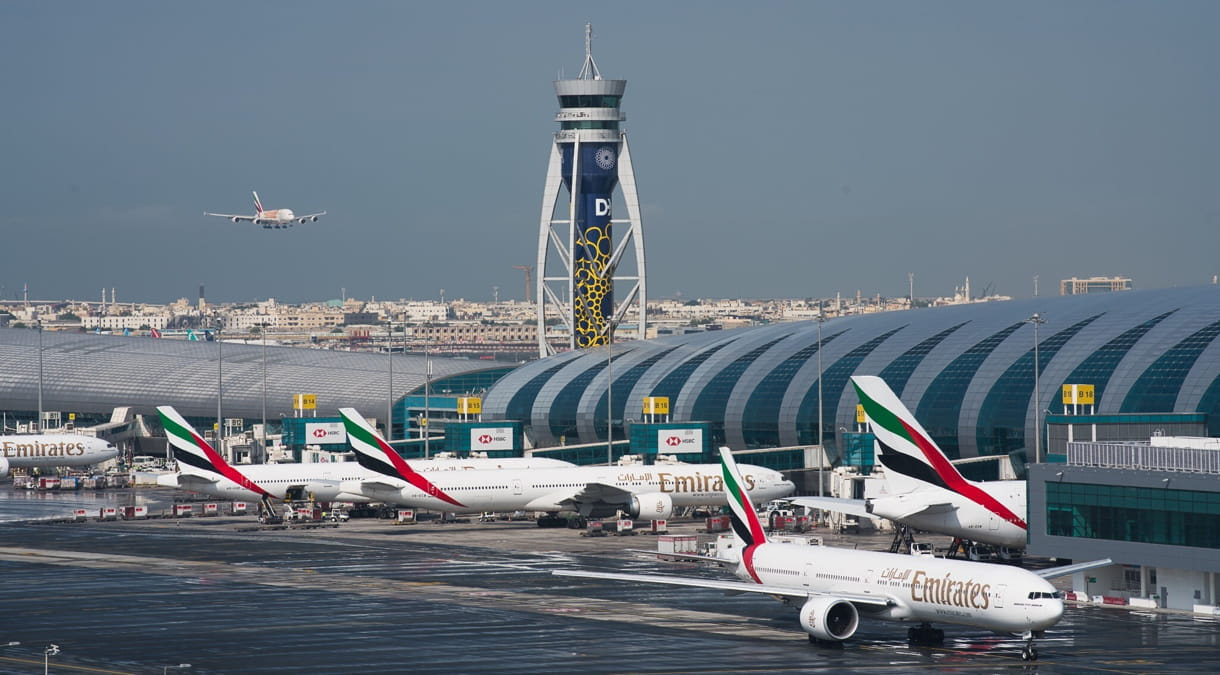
<point>925,634</point>
<point>1028,652</point>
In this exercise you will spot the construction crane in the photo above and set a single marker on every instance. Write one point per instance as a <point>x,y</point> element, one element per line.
<point>529,281</point>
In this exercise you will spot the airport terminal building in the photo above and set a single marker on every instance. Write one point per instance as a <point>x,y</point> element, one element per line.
<point>968,373</point>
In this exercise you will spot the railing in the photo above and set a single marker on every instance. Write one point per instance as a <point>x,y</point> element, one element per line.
<point>1141,455</point>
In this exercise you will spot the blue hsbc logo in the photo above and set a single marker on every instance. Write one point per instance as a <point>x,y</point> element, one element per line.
<point>601,206</point>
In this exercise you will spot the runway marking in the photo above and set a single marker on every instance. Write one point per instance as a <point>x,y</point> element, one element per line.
<point>594,609</point>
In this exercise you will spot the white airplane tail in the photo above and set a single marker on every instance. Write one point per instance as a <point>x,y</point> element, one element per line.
<point>374,454</point>
<point>258,205</point>
<point>912,460</point>
<point>195,456</point>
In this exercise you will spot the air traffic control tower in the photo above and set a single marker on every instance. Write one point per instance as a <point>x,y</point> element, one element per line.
<point>580,264</point>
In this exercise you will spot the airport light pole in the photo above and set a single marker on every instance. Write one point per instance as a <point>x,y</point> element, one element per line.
<point>821,438</point>
<point>47,653</point>
<point>263,333</point>
<point>389,405</point>
<point>38,426</point>
<point>220,368</point>
<point>427,400</point>
<point>1037,320</point>
<point>610,394</point>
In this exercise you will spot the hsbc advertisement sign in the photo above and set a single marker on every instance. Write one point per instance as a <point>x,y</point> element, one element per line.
<point>679,440</point>
<point>491,438</point>
<point>325,433</point>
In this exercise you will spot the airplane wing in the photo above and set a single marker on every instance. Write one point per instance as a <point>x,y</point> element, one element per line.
<point>231,216</point>
<point>852,507</point>
<point>733,586</point>
<point>379,485</point>
<point>194,483</point>
<point>1064,570</point>
<point>926,509</point>
<point>590,493</point>
<point>312,215</point>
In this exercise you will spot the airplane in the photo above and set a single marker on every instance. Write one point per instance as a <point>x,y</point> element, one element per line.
<point>273,219</point>
<point>48,450</point>
<point>650,492</point>
<point>202,469</point>
<point>835,586</point>
<point>926,492</point>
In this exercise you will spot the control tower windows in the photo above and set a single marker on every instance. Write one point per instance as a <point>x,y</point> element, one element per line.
<point>589,101</point>
<point>589,125</point>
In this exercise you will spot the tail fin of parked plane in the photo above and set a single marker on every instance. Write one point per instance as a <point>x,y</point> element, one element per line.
<point>197,458</point>
<point>376,455</point>
<point>911,458</point>
<point>258,205</point>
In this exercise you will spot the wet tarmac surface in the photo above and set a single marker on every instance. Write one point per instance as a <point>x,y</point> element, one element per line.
<point>370,596</point>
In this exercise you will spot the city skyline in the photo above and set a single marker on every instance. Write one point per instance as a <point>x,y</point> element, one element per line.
<point>783,151</point>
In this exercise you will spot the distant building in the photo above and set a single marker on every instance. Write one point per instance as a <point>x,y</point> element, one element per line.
<point>1076,286</point>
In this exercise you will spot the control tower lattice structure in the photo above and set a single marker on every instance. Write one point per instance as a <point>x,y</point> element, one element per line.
<point>580,265</point>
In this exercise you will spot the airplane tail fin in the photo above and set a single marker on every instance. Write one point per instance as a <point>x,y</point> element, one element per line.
<point>374,454</point>
<point>258,205</point>
<point>911,458</point>
<point>195,456</point>
<point>745,519</point>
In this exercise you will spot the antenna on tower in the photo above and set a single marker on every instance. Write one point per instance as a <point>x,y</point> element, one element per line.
<point>589,70</point>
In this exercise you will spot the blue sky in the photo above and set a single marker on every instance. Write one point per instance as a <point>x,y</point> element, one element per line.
<point>781,149</point>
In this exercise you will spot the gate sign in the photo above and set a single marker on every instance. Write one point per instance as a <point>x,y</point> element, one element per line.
<point>656,405</point>
<point>491,438</point>
<point>679,440</point>
<point>1077,394</point>
<point>304,401</point>
<point>470,405</point>
<point>325,433</point>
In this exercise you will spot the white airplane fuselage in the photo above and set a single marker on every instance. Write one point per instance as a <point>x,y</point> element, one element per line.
<point>658,487</point>
<point>920,589</point>
<point>275,216</point>
<point>324,481</point>
<point>48,450</point>
<point>967,519</point>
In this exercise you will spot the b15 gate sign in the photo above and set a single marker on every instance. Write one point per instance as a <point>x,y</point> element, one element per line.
<point>324,433</point>
<point>679,440</point>
<point>491,438</point>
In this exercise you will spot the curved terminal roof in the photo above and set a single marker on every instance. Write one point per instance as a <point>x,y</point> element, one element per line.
<point>89,373</point>
<point>967,371</point>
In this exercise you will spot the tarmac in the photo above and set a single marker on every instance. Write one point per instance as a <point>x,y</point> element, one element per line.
<point>372,596</point>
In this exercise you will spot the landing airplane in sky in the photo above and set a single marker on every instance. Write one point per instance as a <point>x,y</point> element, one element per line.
<point>650,492</point>
<point>836,586</point>
<point>926,491</point>
<point>48,450</point>
<point>273,219</point>
<point>202,469</point>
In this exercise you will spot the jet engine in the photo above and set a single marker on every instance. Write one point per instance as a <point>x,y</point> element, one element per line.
<point>831,619</point>
<point>651,506</point>
<point>234,220</point>
<point>3,467</point>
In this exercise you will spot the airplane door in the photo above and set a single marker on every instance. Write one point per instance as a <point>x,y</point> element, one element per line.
<point>993,523</point>
<point>1000,592</point>
<point>517,487</point>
